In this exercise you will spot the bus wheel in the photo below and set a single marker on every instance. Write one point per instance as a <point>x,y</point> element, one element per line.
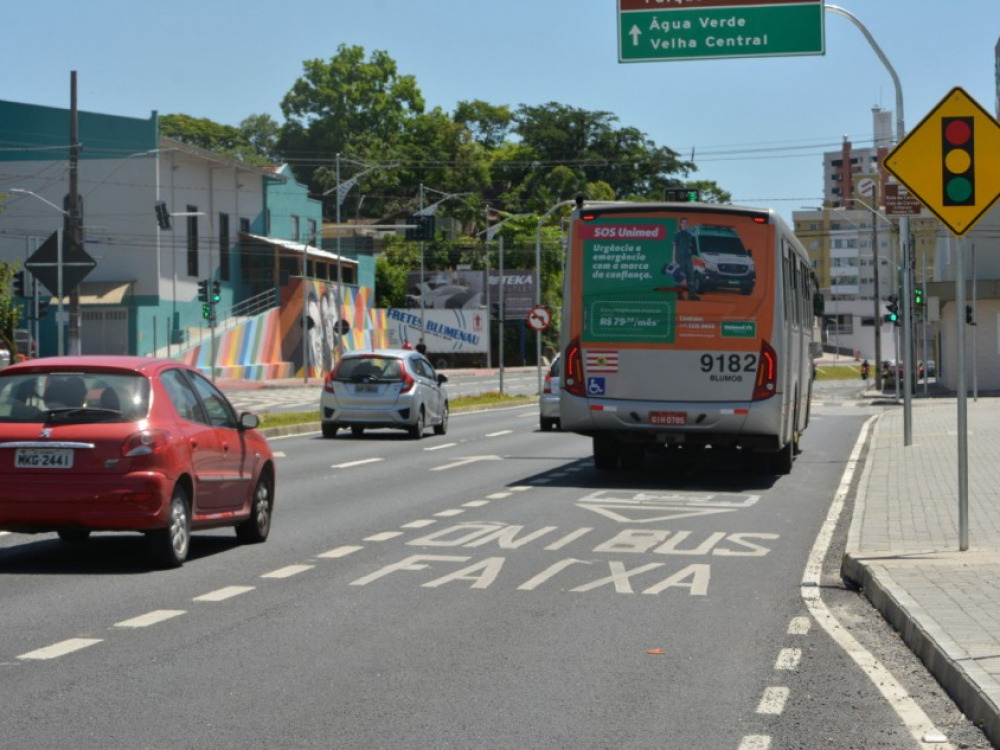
<point>606,453</point>
<point>781,462</point>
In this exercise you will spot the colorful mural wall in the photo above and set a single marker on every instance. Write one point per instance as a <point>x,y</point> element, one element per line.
<point>270,345</point>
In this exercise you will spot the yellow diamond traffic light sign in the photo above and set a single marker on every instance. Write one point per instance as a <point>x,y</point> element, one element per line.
<point>951,161</point>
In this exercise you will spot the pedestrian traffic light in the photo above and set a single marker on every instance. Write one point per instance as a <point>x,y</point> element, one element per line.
<point>162,215</point>
<point>18,284</point>
<point>203,290</point>
<point>958,156</point>
<point>216,292</point>
<point>682,195</point>
<point>970,317</point>
<point>918,296</point>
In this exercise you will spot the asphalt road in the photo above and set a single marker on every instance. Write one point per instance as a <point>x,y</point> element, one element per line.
<point>483,589</point>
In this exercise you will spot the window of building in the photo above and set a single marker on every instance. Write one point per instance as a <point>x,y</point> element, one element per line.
<point>295,229</point>
<point>312,232</point>
<point>192,241</point>
<point>244,225</point>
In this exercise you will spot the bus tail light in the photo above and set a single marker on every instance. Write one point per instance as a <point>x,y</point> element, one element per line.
<point>573,378</point>
<point>767,373</point>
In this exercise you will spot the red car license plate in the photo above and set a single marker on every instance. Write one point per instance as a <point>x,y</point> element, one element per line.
<point>669,418</point>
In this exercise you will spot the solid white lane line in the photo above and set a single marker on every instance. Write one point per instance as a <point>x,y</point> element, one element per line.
<point>150,618</point>
<point>773,701</point>
<point>340,552</point>
<point>60,649</point>
<point>440,447</point>
<point>288,571</point>
<point>912,715</point>
<point>362,462</point>
<point>222,594</point>
<point>418,524</point>
<point>788,659</point>
<point>498,434</point>
<point>799,626</point>
<point>383,536</point>
<point>450,513</point>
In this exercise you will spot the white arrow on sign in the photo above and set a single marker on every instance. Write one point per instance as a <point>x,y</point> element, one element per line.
<point>636,33</point>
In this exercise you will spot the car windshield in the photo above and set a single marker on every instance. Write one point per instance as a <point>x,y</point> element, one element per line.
<point>370,368</point>
<point>60,397</point>
<point>720,241</point>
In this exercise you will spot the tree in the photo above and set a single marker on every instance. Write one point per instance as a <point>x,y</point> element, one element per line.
<point>221,139</point>
<point>10,308</point>
<point>347,105</point>
<point>261,133</point>
<point>489,124</point>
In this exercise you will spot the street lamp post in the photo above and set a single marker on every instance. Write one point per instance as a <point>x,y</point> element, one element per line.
<point>429,211</point>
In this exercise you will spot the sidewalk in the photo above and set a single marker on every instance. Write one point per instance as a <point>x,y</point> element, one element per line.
<point>903,546</point>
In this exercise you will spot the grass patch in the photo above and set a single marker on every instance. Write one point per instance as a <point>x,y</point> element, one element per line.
<point>463,403</point>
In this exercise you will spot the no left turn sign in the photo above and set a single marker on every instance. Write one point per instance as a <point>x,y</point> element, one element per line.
<point>539,318</point>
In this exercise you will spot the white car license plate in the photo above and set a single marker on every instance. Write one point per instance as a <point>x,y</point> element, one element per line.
<point>43,458</point>
<point>366,388</point>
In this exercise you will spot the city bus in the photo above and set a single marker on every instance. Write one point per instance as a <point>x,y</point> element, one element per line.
<point>686,326</point>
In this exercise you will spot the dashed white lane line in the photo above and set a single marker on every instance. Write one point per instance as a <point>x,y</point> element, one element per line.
<point>60,649</point>
<point>150,618</point>
<point>440,447</point>
<point>224,593</point>
<point>755,742</point>
<point>909,711</point>
<point>773,701</point>
<point>499,495</point>
<point>520,488</point>
<point>476,504</point>
<point>288,571</point>
<point>449,513</point>
<point>279,454</point>
<point>352,464</point>
<point>384,536</point>
<point>422,523</point>
<point>788,659</point>
<point>498,434</point>
<point>799,626</point>
<point>340,552</point>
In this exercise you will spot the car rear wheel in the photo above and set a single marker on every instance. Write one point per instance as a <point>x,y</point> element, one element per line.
<point>256,528</point>
<point>547,424</point>
<point>170,546</point>
<point>417,430</point>
<point>74,536</point>
<point>441,429</point>
<point>357,431</point>
<point>329,430</point>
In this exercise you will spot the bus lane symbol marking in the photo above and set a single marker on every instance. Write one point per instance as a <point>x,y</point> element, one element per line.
<point>645,507</point>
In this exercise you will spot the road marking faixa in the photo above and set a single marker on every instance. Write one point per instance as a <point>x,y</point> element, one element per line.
<point>60,649</point>
<point>150,618</point>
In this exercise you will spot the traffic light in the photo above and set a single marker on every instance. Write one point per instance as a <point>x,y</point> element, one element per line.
<point>682,195</point>
<point>162,215</point>
<point>970,317</point>
<point>423,229</point>
<point>958,157</point>
<point>918,297</point>
<point>216,292</point>
<point>203,290</point>
<point>893,307</point>
<point>19,284</point>
<point>43,308</point>
<point>206,311</point>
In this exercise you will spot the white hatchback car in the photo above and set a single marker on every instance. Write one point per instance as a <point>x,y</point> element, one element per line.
<point>394,388</point>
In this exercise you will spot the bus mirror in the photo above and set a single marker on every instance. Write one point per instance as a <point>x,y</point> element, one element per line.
<point>819,304</point>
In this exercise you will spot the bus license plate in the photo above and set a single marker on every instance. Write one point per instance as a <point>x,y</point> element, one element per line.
<point>42,458</point>
<point>668,418</point>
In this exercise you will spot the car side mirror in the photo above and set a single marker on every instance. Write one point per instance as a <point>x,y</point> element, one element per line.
<point>442,379</point>
<point>249,421</point>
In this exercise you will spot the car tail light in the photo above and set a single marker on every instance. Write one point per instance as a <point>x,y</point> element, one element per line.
<point>407,381</point>
<point>573,379</point>
<point>328,383</point>
<point>145,443</point>
<point>767,373</point>
<point>548,383</point>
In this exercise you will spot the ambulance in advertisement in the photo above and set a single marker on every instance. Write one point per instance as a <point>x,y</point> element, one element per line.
<point>686,325</point>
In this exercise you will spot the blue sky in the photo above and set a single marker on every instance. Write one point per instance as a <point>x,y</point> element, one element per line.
<point>757,126</point>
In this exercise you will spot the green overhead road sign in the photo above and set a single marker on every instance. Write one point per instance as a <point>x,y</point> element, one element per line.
<point>656,30</point>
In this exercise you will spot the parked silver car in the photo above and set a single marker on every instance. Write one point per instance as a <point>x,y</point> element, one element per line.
<point>394,388</point>
<point>548,401</point>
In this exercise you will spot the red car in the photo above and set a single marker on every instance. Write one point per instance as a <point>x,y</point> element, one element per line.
<point>101,443</point>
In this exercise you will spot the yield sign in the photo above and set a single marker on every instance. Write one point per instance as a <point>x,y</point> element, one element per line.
<point>44,265</point>
<point>951,161</point>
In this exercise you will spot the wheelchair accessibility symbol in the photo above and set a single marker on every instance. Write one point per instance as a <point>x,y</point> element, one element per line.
<point>595,386</point>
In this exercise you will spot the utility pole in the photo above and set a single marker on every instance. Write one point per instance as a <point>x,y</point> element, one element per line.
<point>74,235</point>
<point>876,259</point>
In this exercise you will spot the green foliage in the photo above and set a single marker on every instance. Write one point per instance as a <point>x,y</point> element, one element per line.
<point>249,142</point>
<point>10,308</point>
